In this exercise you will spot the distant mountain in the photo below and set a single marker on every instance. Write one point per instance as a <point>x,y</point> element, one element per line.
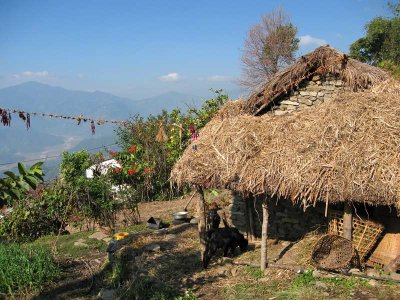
<point>47,138</point>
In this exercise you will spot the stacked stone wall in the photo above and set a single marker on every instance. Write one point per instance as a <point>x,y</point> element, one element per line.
<point>286,221</point>
<point>309,93</point>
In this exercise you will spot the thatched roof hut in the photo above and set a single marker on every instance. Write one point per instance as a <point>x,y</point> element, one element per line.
<point>320,62</point>
<point>346,149</point>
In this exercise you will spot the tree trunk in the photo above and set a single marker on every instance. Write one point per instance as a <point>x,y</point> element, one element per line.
<point>264,237</point>
<point>201,213</point>
<point>347,221</point>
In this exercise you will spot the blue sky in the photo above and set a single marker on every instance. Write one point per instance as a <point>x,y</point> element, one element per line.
<point>143,48</point>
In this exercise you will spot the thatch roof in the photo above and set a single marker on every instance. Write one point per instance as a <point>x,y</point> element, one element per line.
<point>344,149</point>
<point>322,61</point>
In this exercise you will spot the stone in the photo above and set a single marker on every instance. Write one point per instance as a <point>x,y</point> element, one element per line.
<point>304,93</point>
<point>318,82</point>
<point>287,102</point>
<point>293,98</point>
<point>280,112</point>
<point>372,273</point>
<point>316,78</point>
<point>80,243</point>
<point>355,271</point>
<point>98,236</point>
<point>338,83</point>
<point>194,221</point>
<point>316,274</point>
<point>312,98</point>
<point>321,285</point>
<point>152,248</point>
<point>292,107</point>
<point>107,294</point>
<point>373,282</point>
<point>306,101</point>
<point>321,94</point>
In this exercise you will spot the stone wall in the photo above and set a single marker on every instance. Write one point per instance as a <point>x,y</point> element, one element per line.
<point>309,93</point>
<point>286,221</point>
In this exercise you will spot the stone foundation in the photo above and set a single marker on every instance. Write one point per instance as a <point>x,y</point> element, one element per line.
<point>286,221</point>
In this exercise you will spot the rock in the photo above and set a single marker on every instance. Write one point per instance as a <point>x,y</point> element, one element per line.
<point>293,98</point>
<point>372,273</point>
<point>80,243</point>
<point>107,294</point>
<point>234,272</point>
<point>321,285</point>
<point>355,271</point>
<point>98,236</point>
<point>316,78</point>
<point>321,94</point>
<point>338,83</point>
<point>304,93</point>
<point>287,102</point>
<point>306,101</point>
<point>222,272</point>
<point>292,107</point>
<point>194,221</point>
<point>152,248</point>
<point>280,112</point>
<point>162,231</point>
<point>373,282</point>
<point>313,93</point>
<point>316,274</point>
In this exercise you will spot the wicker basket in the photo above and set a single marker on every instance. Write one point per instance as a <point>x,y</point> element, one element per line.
<point>333,252</point>
<point>365,233</point>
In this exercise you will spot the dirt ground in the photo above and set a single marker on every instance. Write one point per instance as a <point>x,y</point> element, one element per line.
<point>176,265</point>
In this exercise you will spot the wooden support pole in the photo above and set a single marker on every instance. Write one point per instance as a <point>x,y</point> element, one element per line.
<point>264,236</point>
<point>347,221</point>
<point>201,213</point>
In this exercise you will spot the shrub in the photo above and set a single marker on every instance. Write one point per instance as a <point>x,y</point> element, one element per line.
<point>25,268</point>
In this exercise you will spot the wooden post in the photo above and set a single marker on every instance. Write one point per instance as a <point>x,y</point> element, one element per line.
<point>264,236</point>
<point>201,213</point>
<point>347,221</point>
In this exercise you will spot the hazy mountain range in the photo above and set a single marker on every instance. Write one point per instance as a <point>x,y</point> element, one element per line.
<point>48,138</point>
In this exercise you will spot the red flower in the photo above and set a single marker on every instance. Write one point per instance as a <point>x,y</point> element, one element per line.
<point>113,153</point>
<point>117,170</point>
<point>132,149</point>
<point>130,172</point>
<point>147,170</point>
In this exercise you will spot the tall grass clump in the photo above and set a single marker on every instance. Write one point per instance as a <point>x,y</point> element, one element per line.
<point>25,269</point>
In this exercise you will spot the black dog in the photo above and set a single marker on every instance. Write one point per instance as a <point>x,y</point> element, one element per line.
<point>226,239</point>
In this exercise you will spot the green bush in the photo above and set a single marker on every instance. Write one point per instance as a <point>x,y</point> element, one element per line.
<point>24,269</point>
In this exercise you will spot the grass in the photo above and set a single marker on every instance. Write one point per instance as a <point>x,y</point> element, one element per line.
<point>24,269</point>
<point>65,244</point>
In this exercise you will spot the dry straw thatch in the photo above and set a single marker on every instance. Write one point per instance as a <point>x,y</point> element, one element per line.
<point>344,149</point>
<point>324,60</point>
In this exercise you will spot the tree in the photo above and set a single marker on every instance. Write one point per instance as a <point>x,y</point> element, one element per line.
<point>269,47</point>
<point>381,44</point>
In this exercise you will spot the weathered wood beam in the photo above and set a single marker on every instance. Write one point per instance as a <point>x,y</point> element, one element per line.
<point>347,221</point>
<point>201,213</point>
<point>264,236</point>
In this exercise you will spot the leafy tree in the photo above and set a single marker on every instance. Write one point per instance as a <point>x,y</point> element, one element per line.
<point>146,161</point>
<point>381,44</point>
<point>270,46</point>
<point>15,187</point>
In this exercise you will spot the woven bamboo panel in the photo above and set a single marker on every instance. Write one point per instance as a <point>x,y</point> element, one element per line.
<point>365,233</point>
<point>387,250</point>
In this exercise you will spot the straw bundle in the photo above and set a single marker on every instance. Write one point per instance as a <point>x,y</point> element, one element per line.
<point>345,149</point>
